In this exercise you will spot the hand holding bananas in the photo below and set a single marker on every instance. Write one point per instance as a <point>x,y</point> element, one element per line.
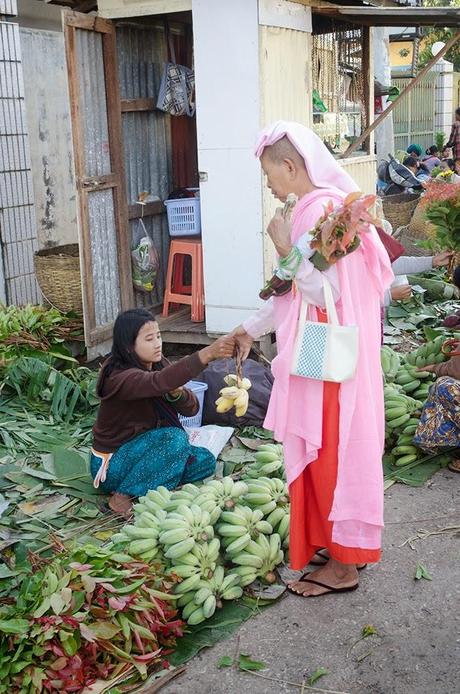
<point>290,256</point>
<point>222,348</point>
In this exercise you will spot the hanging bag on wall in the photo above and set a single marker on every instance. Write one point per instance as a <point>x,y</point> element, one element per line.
<point>177,88</point>
<point>145,260</point>
<point>325,351</point>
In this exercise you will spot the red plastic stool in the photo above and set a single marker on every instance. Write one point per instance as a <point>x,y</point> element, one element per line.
<point>175,291</point>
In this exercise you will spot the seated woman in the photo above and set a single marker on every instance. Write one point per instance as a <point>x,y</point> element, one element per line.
<point>138,441</point>
<point>439,427</point>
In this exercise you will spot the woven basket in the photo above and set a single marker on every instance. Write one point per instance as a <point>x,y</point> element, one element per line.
<point>419,227</point>
<point>398,209</point>
<point>58,274</point>
<point>410,243</point>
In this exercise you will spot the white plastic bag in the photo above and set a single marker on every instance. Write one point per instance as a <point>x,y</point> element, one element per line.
<point>145,260</point>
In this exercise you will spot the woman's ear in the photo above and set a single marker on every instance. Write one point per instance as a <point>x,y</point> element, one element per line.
<point>291,168</point>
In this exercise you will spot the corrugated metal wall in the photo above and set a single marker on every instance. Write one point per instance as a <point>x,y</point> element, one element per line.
<point>18,232</point>
<point>414,117</point>
<point>97,162</point>
<point>146,135</point>
<point>363,170</point>
<point>9,7</point>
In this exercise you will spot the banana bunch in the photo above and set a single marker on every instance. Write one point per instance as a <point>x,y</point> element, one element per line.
<point>269,461</point>
<point>259,559</point>
<point>279,519</point>
<point>235,394</point>
<point>141,539</point>
<point>405,452</point>
<point>184,496</point>
<point>200,604</point>
<point>221,495</point>
<point>398,407</point>
<point>238,527</point>
<point>182,529</point>
<point>196,565</point>
<point>154,501</point>
<point>410,379</point>
<point>266,494</point>
<point>391,362</point>
<point>428,353</point>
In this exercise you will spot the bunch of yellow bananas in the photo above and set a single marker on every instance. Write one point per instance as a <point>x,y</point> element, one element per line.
<point>235,394</point>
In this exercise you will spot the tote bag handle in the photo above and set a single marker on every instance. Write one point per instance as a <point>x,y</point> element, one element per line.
<point>331,311</point>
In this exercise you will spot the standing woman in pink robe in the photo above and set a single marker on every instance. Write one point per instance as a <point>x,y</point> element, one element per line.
<point>332,434</point>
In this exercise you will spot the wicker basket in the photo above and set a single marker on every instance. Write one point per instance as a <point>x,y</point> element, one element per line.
<point>58,274</point>
<point>410,243</point>
<point>398,209</point>
<point>419,227</point>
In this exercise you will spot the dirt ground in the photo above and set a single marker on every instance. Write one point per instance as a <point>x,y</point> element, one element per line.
<point>417,650</point>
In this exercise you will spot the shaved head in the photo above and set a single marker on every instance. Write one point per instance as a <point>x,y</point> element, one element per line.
<point>284,149</point>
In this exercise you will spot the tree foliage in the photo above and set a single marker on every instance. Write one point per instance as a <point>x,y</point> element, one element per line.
<point>444,34</point>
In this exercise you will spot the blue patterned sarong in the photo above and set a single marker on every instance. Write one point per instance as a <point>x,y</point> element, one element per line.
<point>439,426</point>
<point>158,457</point>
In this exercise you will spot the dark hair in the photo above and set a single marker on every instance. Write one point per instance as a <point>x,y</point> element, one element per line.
<point>414,149</point>
<point>457,111</point>
<point>431,151</point>
<point>456,276</point>
<point>450,163</point>
<point>410,161</point>
<point>125,331</point>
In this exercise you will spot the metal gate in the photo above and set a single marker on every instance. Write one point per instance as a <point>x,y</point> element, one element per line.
<point>414,117</point>
<point>18,233</point>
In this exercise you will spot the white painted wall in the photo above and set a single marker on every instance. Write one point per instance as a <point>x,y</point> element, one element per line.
<point>384,133</point>
<point>443,96</point>
<point>228,112</point>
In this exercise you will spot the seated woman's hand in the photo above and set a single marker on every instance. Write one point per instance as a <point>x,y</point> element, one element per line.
<point>442,259</point>
<point>222,348</point>
<point>404,291</point>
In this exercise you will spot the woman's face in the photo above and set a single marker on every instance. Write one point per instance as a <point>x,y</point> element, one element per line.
<point>278,179</point>
<point>148,344</point>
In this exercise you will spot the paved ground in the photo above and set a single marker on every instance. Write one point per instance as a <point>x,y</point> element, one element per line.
<point>418,622</point>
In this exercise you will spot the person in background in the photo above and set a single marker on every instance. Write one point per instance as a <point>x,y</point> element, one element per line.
<point>413,164</point>
<point>411,265</point>
<point>431,158</point>
<point>415,151</point>
<point>447,172</point>
<point>138,440</point>
<point>454,139</point>
<point>446,153</point>
<point>439,427</point>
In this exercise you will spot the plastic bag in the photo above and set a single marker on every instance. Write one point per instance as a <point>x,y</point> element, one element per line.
<point>145,260</point>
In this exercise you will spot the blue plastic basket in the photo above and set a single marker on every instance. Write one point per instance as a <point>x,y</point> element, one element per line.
<point>199,390</point>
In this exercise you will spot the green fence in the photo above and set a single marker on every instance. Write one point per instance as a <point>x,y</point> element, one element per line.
<point>413,118</point>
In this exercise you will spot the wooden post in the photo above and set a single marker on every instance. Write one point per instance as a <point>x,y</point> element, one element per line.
<point>405,91</point>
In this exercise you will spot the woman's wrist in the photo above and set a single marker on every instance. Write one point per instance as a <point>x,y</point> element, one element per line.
<point>205,355</point>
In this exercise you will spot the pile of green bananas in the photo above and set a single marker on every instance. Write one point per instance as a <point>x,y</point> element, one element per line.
<point>269,462</point>
<point>391,362</point>
<point>428,353</point>
<point>414,382</point>
<point>212,539</point>
<point>399,408</point>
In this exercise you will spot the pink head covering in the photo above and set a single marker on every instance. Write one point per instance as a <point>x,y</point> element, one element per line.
<point>329,175</point>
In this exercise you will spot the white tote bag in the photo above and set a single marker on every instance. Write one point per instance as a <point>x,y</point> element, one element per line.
<point>325,351</point>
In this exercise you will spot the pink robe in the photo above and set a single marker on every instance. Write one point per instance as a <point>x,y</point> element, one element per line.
<point>296,404</point>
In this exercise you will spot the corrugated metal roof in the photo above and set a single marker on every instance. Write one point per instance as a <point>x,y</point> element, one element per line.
<point>392,16</point>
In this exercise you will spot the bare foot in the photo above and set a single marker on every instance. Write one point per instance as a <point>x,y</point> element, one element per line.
<point>454,465</point>
<point>121,504</point>
<point>333,574</point>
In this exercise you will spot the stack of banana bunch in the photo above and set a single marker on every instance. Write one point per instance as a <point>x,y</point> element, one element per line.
<point>391,362</point>
<point>220,495</point>
<point>201,603</point>
<point>414,382</point>
<point>234,395</point>
<point>258,560</point>
<point>428,353</point>
<point>271,496</point>
<point>399,408</point>
<point>141,539</point>
<point>269,462</point>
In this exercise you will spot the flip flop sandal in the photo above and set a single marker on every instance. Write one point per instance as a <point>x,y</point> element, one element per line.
<point>454,466</point>
<point>330,589</point>
<point>320,553</point>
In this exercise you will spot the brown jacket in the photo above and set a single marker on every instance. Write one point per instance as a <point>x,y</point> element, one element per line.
<point>128,403</point>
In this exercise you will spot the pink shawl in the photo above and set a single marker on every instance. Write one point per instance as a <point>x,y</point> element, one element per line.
<point>295,409</point>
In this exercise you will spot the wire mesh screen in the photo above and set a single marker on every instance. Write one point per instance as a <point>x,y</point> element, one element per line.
<point>339,94</point>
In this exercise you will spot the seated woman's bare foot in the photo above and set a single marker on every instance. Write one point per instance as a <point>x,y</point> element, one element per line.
<point>121,504</point>
<point>454,465</point>
<point>334,575</point>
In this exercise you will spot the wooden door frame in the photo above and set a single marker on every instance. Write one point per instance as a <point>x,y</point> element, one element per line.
<point>72,21</point>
